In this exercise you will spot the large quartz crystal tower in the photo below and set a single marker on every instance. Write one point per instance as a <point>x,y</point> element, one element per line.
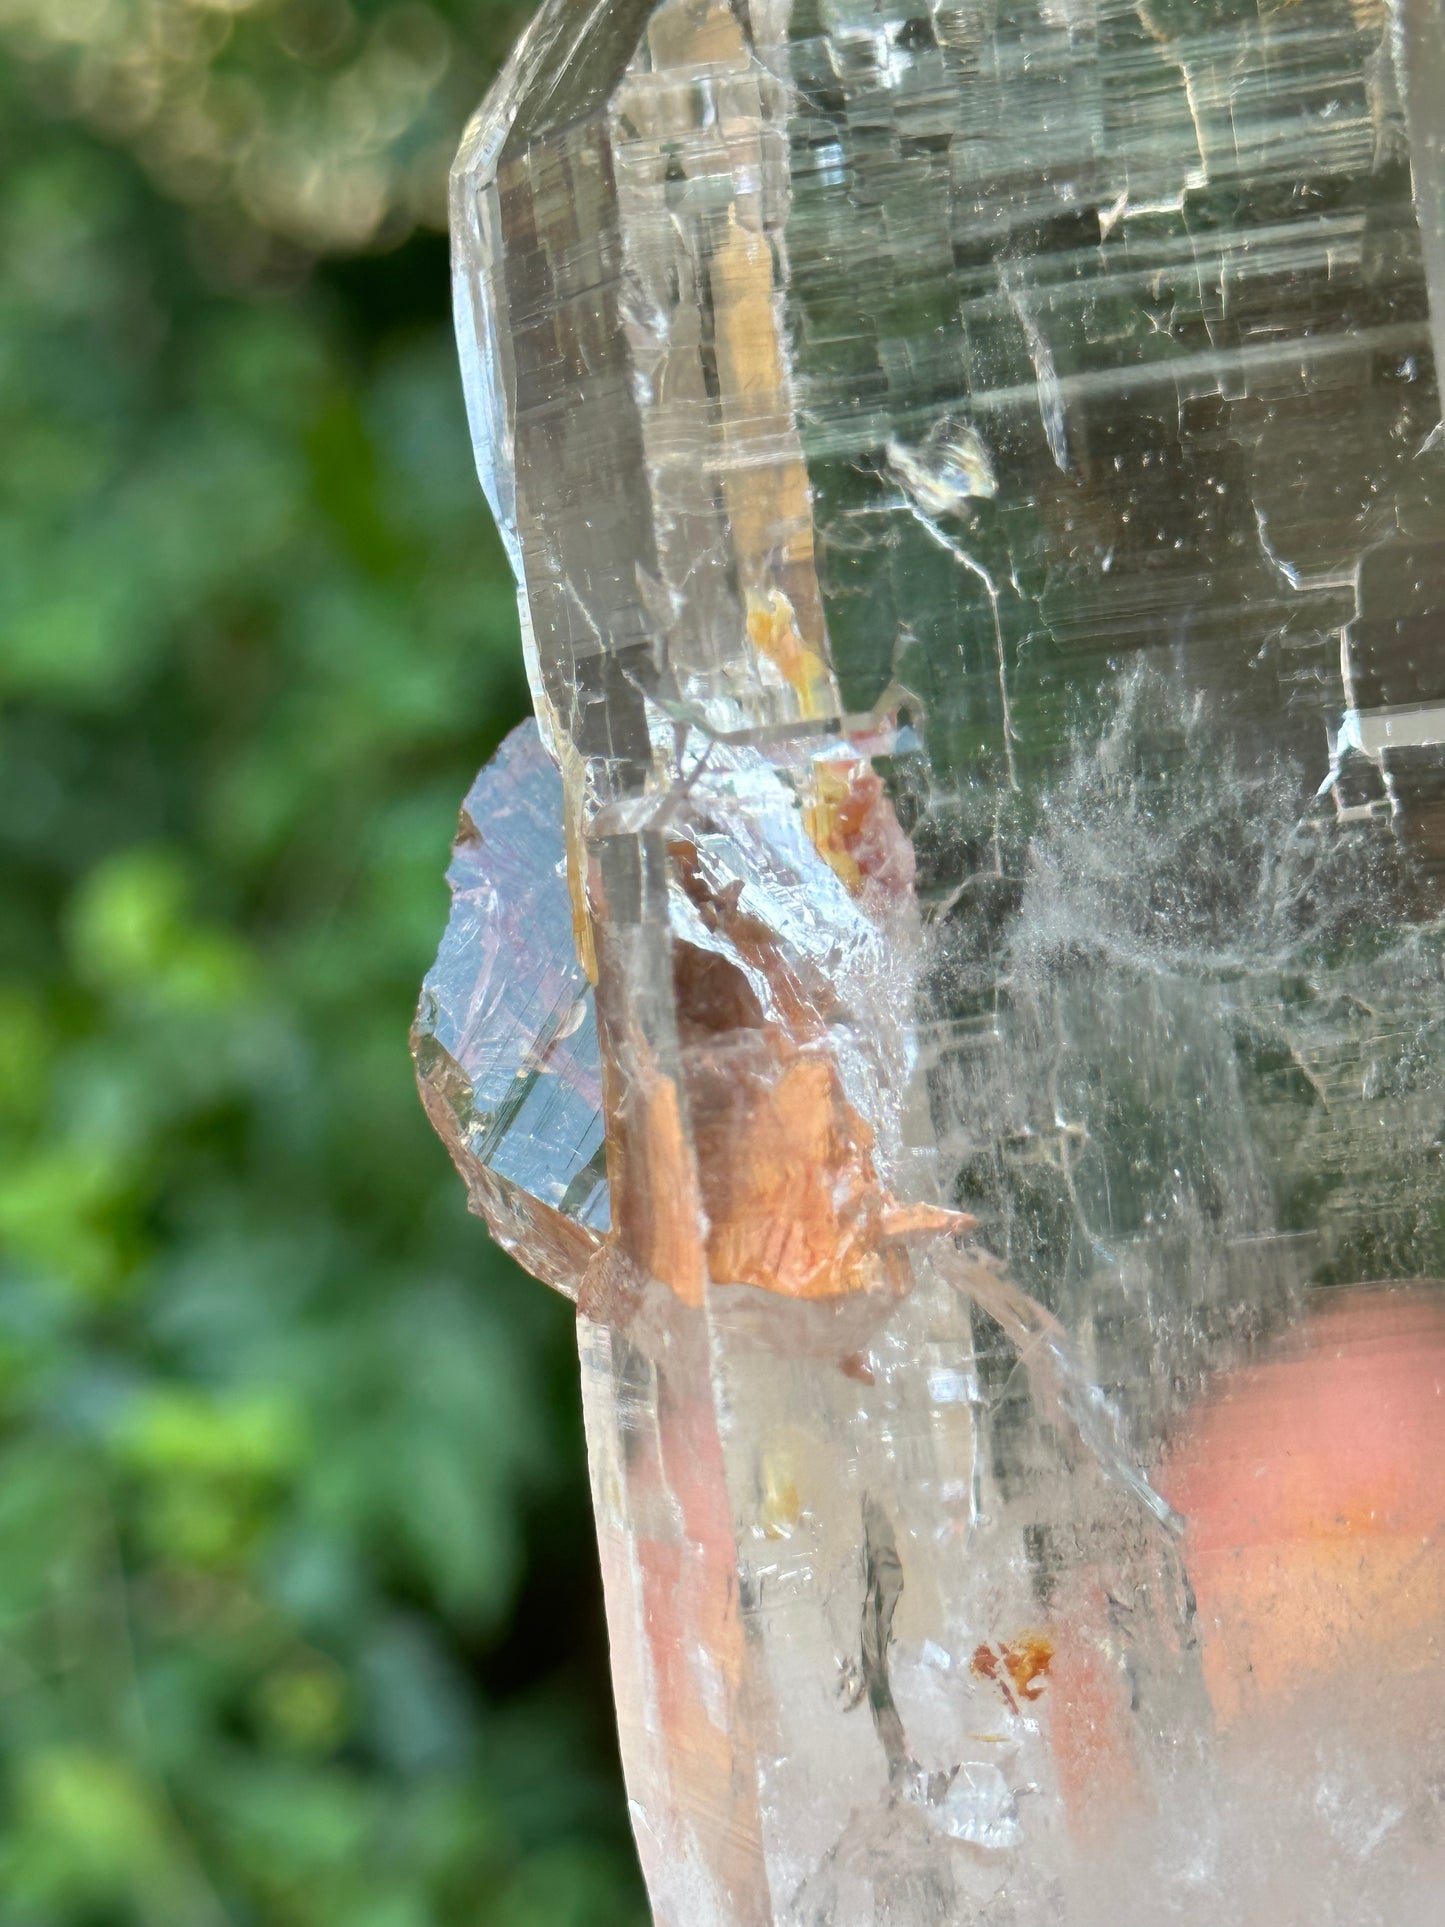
<point>952,983</point>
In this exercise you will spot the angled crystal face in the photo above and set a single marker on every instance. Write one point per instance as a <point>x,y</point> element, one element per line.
<point>619,207</point>
<point>506,1034</point>
<point>976,484</point>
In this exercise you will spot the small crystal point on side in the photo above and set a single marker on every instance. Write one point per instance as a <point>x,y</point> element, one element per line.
<point>505,1038</point>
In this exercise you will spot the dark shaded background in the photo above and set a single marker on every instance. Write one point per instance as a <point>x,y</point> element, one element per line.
<point>299,1619</point>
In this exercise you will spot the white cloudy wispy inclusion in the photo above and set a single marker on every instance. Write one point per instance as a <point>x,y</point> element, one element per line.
<point>974,476</point>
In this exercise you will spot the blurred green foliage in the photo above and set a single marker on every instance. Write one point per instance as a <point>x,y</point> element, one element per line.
<point>318,124</point>
<point>299,1622</point>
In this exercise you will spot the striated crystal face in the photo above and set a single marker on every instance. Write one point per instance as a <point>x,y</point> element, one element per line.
<point>955,983</point>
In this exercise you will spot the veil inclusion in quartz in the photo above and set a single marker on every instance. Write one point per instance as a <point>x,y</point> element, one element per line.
<point>952,981</point>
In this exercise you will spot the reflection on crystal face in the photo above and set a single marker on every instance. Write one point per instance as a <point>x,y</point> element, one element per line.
<point>975,478</point>
<point>506,1037</point>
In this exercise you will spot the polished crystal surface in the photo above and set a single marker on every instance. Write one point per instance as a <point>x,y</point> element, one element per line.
<point>974,475</point>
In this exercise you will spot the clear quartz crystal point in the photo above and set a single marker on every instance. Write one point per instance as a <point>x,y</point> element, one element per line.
<point>954,983</point>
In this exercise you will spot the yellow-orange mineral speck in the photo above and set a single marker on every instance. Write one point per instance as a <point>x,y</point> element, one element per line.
<point>851,822</point>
